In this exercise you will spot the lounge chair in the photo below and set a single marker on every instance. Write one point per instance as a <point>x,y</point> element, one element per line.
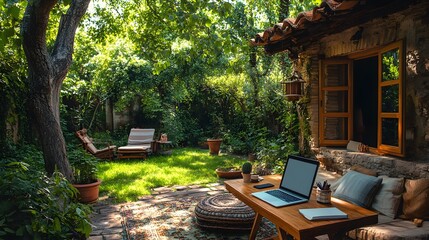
<point>87,143</point>
<point>140,143</point>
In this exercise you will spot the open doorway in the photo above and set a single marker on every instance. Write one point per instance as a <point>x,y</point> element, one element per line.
<point>365,100</point>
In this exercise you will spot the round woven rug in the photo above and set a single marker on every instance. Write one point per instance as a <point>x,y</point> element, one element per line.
<point>224,211</point>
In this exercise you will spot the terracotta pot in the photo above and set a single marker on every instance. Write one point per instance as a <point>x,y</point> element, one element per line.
<point>88,193</point>
<point>251,157</point>
<point>228,173</point>
<point>214,146</point>
<point>246,177</point>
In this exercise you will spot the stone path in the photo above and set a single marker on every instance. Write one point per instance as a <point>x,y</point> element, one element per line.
<point>108,223</point>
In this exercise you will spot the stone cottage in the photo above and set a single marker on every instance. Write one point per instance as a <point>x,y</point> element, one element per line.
<point>366,66</point>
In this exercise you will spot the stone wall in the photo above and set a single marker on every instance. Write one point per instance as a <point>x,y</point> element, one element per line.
<point>339,160</point>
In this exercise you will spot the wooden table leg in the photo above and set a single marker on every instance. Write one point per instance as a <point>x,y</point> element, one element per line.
<point>255,226</point>
<point>340,235</point>
<point>282,235</point>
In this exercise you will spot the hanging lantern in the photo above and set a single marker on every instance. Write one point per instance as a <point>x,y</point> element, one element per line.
<point>293,89</point>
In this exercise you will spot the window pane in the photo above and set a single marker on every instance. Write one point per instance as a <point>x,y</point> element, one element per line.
<point>336,101</point>
<point>390,98</point>
<point>336,75</point>
<point>336,129</point>
<point>390,65</point>
<point>389,128</point>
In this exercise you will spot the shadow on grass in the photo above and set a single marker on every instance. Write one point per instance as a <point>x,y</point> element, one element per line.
<point>128,179</point>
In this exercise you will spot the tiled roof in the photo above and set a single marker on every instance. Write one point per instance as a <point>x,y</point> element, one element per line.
<point>332,16</point>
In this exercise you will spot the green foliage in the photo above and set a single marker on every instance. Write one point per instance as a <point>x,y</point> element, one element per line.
<point>35,206</point>
<point>84,166</point>
<point>390,65</point>
<point>246,168</point>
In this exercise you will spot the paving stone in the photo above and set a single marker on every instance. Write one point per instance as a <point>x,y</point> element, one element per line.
<point>98,237</point>
<point>110,231</point>
<point>113,237</point>
<point>180,188</point>
<point>108,223</point>
<point>213,184</point>
<point>162,189</point>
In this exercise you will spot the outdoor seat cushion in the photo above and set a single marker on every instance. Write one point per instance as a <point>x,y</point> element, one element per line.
<point>391,229</point>
<point>224,211</point>
<point>133,149</point>
<point>358,188</point>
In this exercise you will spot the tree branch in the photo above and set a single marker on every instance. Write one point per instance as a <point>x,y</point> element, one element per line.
<point>63,47</point>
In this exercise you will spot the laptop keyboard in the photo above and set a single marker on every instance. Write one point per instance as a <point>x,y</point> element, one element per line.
<point>282,195</point>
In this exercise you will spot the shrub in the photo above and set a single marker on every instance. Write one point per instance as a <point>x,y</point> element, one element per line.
<point>34,206</point>
<point>84,166</point>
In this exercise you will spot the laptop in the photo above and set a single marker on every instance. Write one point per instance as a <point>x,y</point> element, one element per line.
<point>296,184</point>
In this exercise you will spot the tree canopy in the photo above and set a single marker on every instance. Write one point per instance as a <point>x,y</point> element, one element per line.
<point>182,66</point>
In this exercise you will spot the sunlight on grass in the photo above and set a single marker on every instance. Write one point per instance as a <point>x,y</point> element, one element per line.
<point>128,179</point>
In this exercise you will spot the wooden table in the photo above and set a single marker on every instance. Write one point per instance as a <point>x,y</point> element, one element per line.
<point>162,146</point>
<point>289,221</point>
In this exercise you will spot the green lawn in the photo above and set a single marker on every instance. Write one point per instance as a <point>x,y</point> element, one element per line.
<point>127,179</point>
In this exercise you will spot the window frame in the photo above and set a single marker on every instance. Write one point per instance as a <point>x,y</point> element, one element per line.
<point>394,150</point>
<point>348,114</point>
<point>381,148</point>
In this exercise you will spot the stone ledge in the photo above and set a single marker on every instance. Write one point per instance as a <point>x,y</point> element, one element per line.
<point>340,160</point>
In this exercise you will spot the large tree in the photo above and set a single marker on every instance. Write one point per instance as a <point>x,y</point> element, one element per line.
<point>47,69</point>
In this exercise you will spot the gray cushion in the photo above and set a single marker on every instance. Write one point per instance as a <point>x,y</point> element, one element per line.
<point>358,188</point>
<point>389,196</point>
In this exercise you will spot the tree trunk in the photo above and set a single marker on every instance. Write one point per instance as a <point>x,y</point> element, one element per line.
<point>4,109</point>
<point>46,73</point>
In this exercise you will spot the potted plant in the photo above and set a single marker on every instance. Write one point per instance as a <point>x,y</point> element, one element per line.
<point>214,145</point>
<point>246,169</point>
<point>84,167</point>
<point>228,172</point>
<point>216,133</point>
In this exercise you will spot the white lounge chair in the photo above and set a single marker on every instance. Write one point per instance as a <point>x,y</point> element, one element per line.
<point>140,143</point>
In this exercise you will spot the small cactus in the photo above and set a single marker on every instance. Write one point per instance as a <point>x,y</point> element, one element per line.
<point>246,168</point>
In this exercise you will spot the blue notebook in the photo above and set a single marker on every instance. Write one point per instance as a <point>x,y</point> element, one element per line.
<point>323,213</point>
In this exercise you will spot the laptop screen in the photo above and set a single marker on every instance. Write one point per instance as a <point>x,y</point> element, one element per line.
<point>299,175</point>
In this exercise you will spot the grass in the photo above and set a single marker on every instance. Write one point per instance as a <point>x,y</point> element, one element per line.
<point>126,180</point>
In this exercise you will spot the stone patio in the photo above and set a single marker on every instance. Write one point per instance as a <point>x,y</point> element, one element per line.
<point>108,223</point>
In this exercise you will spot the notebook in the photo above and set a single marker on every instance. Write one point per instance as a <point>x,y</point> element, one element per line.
<point>323,213</point>
<point>296,184</point>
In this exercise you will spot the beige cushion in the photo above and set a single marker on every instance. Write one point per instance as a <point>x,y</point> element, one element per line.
<point>91,148</point>
<point>133,148</point>
<point>389,197</point>
<point>392,230</point>
<point>364,170</point>
<point>139,136</point>
<point>416,199</point>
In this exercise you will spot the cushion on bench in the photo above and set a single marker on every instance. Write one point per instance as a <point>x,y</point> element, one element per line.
<point>389,197</point>
<point>391,229</point>
<point>358,188</point>
<point>416,199</point>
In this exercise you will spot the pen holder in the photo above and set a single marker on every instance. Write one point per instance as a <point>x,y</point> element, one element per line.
<point>323,196</point>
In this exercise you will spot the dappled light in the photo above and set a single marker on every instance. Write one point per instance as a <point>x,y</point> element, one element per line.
<point>127,180</point>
